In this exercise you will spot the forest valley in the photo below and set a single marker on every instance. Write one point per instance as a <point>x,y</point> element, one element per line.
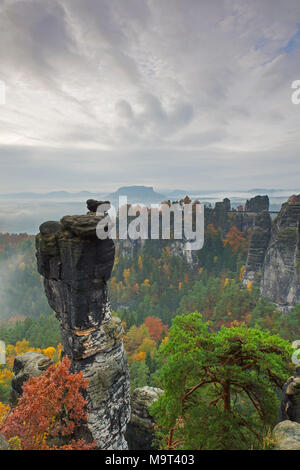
<point>219,351</point>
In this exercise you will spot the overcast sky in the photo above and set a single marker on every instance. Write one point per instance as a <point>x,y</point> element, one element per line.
<point>192,94</point>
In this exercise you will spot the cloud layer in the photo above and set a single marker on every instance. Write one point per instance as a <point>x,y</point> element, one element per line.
<point>102,93</point>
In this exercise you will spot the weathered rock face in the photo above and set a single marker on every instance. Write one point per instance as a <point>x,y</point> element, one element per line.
<point>3,443</point>
<point>290,403</point>
<point>274,255</point>
<point>281,270</point>
<point>218,216</point>
<point>287,435</point>
<point>259,242</point>
<point>30,364</point>
<point>76,266</point>
<point>140,429</point>
<point>257,204</point>
<point>93,205</point>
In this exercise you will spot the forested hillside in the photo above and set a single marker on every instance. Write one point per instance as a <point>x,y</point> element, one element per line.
<point>21,292</point>
<point>147,292</point>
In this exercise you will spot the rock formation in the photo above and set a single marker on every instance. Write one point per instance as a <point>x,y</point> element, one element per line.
<point>3,443</point>
<point>274,257</point>
<point>287,432</point>
<point>93,205</point>
<point>259,242</point>
<point>140,429</point>
<point>30,364</point>
<point>287,436</point>
<point>290,403</point>
<point>281,273</point>
<point>257,204</point>
<point>218,216</point>
<point>76,266</point>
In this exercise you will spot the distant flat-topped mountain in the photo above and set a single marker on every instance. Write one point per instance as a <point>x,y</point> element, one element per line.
<point>136,194</point>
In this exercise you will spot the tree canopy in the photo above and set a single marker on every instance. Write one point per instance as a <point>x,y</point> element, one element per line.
<point>220,388</point>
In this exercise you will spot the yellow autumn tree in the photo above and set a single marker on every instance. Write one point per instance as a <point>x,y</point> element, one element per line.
<point>134,338</point>
<point>146,283</point>
<point>140,262</point>
<point>4,410</point>
<point>139,356</point>
<point>249,285</point>
<point>242,271</point>
<point>49,352</point>
<point>126,275</point>
<point>148,346</point>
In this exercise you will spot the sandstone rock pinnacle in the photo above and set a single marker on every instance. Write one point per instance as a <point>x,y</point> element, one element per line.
<point>76,266</point>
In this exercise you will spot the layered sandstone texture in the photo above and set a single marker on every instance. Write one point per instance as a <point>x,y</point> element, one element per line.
<point>141,428</point>
<point>274,255</point>
<point>281,271</point>
<point>30,364</point>
<point>76,266</point>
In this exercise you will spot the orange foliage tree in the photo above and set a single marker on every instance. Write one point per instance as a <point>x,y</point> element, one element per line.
<point>236,239</point>
<point>156,328</point>
<point>49,410</point>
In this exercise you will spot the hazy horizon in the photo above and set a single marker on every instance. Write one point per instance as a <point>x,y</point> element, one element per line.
<point>166,191</point>
<point>26,215</point>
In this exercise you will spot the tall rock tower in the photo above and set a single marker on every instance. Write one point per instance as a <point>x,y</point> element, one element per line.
<point>274,255</point>
<point>76,266</point>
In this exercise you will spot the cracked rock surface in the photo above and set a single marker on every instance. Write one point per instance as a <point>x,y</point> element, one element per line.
<point>274,255</point>
<point>76,266</point>
<point>140,429</point>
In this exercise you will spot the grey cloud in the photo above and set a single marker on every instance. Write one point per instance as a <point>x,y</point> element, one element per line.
<point>108,92</point>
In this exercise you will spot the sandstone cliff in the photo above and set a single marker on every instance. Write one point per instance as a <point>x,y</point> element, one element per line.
<point>76,266</point>
<point>281,271</point>
<point>274,255</point>
<point>257,204</point>
<point>259,242</point>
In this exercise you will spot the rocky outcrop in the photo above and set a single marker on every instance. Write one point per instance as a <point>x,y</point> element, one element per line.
<point>218,216</point>
<point>290,402</point>
<point>274,255</point>
<point>287,436</point>
<point>93,205</point>
<point>281,270</point>
<point>259,242</point>
<point>140,429</point>
<point>4,445</point>
<point>76,266</point>
<point>257,204</point>
<point>287,432</point>
<point>30,364</point>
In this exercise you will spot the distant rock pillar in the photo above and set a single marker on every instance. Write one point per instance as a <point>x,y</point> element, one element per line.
<point>259,242</point>
<point>76,266</point>
<point>281,269</point>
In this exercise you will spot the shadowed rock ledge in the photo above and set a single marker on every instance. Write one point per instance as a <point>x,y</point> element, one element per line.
<point>140,430</point>
<point>76,266</point>
<point>30,364</point>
